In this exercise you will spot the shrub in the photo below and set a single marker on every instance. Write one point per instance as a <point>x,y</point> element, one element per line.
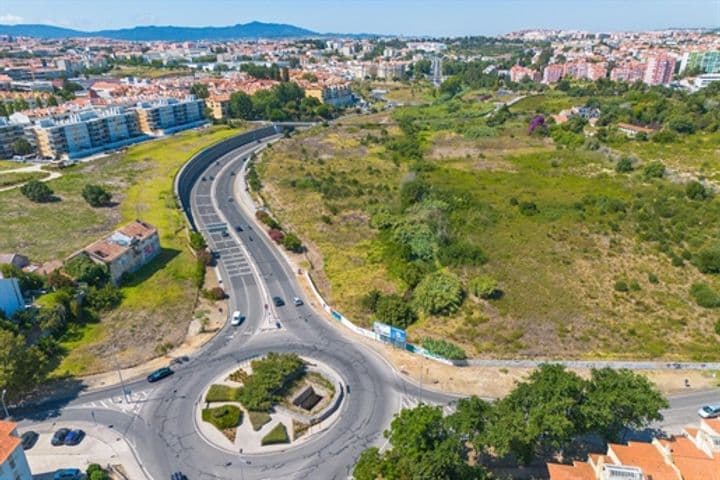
<point>704,295</point>
<point>395,311</point>
<point>27,280</point>
<point>220,393</point>
<point>707,260</point>
<point>443,348</point>
<point>654,170</point>
<point>276,435</point>
<point>265,218</point>
<point>621,286</point>
<point>276,235</point>
<point>36,191</point>
<point>462,254</point>
<point>292,243</point>
<point>105,298</point>
<point>652,278</point>
<point>483,286</point>
<point>528,208</point>
<point>224,417</point>
<point>96,196</point>
<point>215,294</point>
<point>197,241</point>
<point>258,419</point>
<point>204,256</point>
<point>370,300</point>
<point>199,274</point>
<point>96,472</point>
<point>634,286</point>
<point>624,165</point>
<point>439,292</point>
<point>270,377</point>
<point>82,269</point>
<point>696,191</point>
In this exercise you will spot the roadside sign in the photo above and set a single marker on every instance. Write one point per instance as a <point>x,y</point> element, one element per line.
<point>390,334</point>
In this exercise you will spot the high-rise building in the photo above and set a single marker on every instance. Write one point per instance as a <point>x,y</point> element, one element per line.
<point>659,70</point>
<point>704,62</point>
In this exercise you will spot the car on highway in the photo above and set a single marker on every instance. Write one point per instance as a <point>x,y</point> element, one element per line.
<point>178,476</point>
<point>29,439</point>
<point>74,437</point>
<point>230,199</point>
<point>67,474</point>
<point>225,234</point>
<point>58,437</point>
<point>279,302</point>
<point>237,318</point>
<point>159,374</point>
<point>297,301</point>
<point>239,228</point>
<point>709,411</point>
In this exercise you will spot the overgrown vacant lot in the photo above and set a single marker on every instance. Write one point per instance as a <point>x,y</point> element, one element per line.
<point>588,261</point>
<point>158,301</point>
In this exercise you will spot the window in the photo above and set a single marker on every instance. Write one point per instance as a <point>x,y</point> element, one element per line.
<point>11,461</point>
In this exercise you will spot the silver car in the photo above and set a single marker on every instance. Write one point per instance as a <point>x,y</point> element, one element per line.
<point>709,411</point>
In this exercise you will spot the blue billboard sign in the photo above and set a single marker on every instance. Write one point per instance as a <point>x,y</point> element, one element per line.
<point>390,334</point>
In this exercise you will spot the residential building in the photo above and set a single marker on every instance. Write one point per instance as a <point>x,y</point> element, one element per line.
<point>518,74</point>
<point>553,73</point>
<point>87,132</point>
<point>659,70</point>
<point>219,105</point>
<point>126,250</point>
<point>335,95</point>
<point>694,455</point>
<point>702,81</point>
<point>11,299</point>
<point>632,130</point>
<point>705,62</point>
<point>13,463</point>
<point>168,115</point>
<point>630,72</point>
<point>9,133</point>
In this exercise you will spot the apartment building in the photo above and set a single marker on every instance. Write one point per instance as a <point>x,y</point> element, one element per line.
<point>629,72</point>
<point>553,73</point>
<point>518,74</point>
<point>9,133</point>
<point>335,95</point>
<point>87,132</point>
<point>694,455</point>
<point>13,463</point>
<point>219,105</point>
<point>126,250</point>
<point>659,69</point>
<point>168,115</point>
<point>705,62</point>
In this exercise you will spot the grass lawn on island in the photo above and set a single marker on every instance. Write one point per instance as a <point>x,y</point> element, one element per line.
<point>158,300</point>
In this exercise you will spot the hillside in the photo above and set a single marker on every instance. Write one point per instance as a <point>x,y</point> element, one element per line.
<point>582,258</point>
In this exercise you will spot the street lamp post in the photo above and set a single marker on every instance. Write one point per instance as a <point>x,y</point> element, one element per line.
<point>122,382</point>
<point>3,403</point>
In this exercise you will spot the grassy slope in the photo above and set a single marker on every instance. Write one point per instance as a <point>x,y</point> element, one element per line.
<point>557,269</point>
<point>158,303</point>
<point>15,178</point>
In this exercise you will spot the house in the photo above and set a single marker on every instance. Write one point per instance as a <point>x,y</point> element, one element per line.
<point>11,299</point>
<point>126,250</point>
<point>13,463</point>
<point>694,455</point>
<point>14,259</point>
<point>633,130</point>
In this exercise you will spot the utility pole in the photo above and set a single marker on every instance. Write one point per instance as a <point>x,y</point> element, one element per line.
<point>422,359</point>
<point>7,415</point>
<point>122,382</point>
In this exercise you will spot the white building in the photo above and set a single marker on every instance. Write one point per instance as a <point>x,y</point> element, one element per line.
<point>13,463</point>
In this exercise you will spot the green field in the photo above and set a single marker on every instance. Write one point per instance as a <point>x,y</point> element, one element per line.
<point>15,178</point>
<point>561,230</point>
<point>158,300</point>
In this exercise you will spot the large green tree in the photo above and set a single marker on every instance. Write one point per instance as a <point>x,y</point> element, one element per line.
<point>439,292</point>
<point>96,195</point>
<point>241,106</point>
<point>22,368</point>
<point>395,311</point>
<point>36,191</point>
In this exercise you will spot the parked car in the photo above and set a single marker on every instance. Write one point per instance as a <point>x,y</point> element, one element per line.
<point>178,476</point>
<point>159,374</point>
<point>74,437</point>
<point>58,437</point>
<point>237,318</point>
<point>279,302</point>
<point>230,199</point>
<point>239,228</point>
<point>225,233</point>
<point>67,474</point>
<point>297,301</point>
<point>709,411</point>
<point>29,439</point>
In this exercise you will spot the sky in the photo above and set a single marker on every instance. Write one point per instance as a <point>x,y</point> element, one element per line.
<point>405,17</point>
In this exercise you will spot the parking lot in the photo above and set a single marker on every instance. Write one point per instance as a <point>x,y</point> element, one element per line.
<point>101,445</point>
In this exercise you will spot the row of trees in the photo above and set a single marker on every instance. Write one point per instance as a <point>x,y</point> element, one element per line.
<point>283,102</point>
<point>95,195</point>
<point>542,415</point>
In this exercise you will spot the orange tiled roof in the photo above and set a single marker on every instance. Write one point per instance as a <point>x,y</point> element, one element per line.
<point>576,471</point>
<point>647,457</point>
<point>713,423</point>
<point>8,442</point>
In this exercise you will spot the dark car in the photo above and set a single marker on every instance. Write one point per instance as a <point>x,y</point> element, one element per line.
<point>159,374</point>
<point>239,228</point>
<point>225,233</point>
<point>28,439</point>
<point>67,474</point>
<point>74,437</point>
<point>279,302</point>
<point>59,437</point>
<point>178,476</point>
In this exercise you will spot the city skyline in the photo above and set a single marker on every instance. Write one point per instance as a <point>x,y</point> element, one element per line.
<point>449,18</point>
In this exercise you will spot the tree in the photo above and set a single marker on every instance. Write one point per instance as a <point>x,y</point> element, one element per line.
<point>82,269</point>
<point>470,418</point>
<point>104,298</point>
<point>200,90</point>
<point>241,106</point>
<point>544,411</point>
<point>23,367</point>
<point>369,466</point>
<point>96,195</point>
<point>696,191</point>
<point>452,86</point>
<point>96,472</point>
<point>27,280</point>
<point>617,399</point>
<point>36,191</point>
<point>654,170</point>
<point>707,260</point>
<point>292,243</point>
<point>395,311</point>
<point>21,147</point>
<point>483,286</point>
<point>439,292</point>
<point>624,165</point>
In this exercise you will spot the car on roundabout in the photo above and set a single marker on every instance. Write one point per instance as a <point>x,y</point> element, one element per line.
<point>159,374</point>
<point>279,302</point>
<point>237,318</point>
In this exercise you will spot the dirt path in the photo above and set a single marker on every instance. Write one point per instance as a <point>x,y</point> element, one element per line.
<point>54,174</point>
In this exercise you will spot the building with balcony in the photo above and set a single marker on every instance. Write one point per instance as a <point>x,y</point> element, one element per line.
<point>659,70</point>
<point>704,62</point>
<point>13,463</point>
<point>170,115</point>
<point>9,133</point>
<point>219,105</point>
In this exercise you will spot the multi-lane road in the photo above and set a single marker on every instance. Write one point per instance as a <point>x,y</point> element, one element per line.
<point>159,421</point>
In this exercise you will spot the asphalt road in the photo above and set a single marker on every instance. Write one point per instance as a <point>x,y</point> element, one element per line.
<point>159,420</point>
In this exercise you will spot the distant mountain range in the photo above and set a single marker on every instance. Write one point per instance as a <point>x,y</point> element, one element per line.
<point>250,30</point>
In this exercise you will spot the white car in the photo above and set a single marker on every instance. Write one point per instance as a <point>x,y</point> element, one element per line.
<point>297,302</point>
<point>709,411</point>
<point>237,319</point>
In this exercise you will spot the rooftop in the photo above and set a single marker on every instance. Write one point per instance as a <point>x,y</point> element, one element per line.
<point>8,441</point>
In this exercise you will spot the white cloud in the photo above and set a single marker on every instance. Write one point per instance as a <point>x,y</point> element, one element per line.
<point>11,19</point>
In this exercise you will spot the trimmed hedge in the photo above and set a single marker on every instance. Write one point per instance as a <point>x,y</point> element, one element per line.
<point>276,435</point>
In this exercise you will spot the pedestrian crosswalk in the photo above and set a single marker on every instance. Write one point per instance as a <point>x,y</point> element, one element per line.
<point>131,403</point>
